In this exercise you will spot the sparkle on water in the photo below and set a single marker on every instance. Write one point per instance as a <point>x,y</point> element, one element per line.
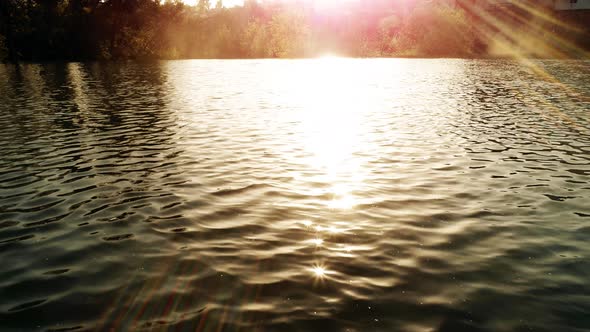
<point>317,242</point>
<point>319,271</point>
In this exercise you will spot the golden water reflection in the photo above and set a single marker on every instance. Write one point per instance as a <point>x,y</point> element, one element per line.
<point>334,135</point>
<point>334,105</point>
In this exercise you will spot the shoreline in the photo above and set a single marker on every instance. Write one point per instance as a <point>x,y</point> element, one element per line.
<point>149,60</point>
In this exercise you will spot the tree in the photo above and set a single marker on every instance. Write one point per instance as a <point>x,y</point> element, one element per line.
<point>288,35</point>
<point>433,31</point>
<point>41,30</point>
<point>203,6</point>
<point>3,50</point>
<point>7,27</point>
<point>253,40</point>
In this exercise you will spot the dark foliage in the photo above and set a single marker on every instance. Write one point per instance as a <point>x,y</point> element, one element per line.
<point>45,30</point>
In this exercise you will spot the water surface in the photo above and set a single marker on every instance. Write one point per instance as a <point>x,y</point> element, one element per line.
<point>295,195</point>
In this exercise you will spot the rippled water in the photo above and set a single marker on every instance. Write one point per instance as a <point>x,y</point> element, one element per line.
<point>296,195</point>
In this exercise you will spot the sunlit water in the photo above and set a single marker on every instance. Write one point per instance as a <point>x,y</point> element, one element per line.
<point>296,195</point>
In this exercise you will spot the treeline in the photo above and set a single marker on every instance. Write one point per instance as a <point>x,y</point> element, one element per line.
<point>41,30</point>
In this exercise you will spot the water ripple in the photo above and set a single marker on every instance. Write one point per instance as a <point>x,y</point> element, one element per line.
<point>297,195</point>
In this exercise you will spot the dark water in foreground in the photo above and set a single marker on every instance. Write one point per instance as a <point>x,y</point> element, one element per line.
<point>308,195</point>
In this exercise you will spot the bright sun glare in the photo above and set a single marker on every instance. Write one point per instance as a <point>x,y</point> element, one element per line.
<point>333,126</point>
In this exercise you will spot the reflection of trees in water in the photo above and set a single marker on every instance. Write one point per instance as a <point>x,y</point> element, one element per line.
<point>88,116</point>
<point>61,91</point>
<point>131,113</point>
<point>130,95</point>
<point>44,98</point>
<point>94,144</point>
<point>100,142</point>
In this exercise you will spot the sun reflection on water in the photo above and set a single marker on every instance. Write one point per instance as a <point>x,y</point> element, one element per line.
<point>334,135</point>
<point>343,202</point>
<point>333,126</point>
<point>318,242</point>
<point>307,223</point>
<point>320,272</point>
